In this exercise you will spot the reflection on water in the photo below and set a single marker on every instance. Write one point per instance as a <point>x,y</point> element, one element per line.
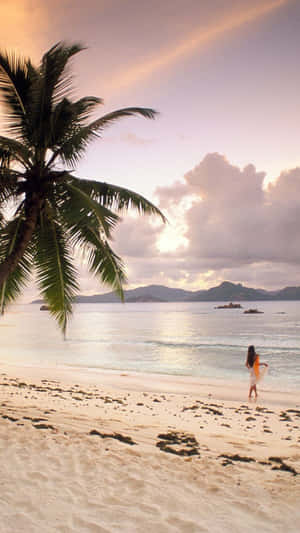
<point>175,338</point>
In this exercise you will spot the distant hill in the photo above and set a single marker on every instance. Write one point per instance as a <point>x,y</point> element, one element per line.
<point>230,291</point>
<point>150,293</point>
<point>224,292</point>
<point>289,293</point>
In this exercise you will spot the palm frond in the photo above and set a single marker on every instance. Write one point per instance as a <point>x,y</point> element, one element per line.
<point>83,108</point>
<point>52,85</point>
<point>103,262</point>
<point>54,210</point>
<point>13,287</point>
<point>15,151</point>
<point>56,81</point>
<point>5,158</point>
<point>108,266</point>
<point>68,117</point>
<point>109,118</point>
<point>2,220</point>
<point>81,206</point>
<point>56,275</point>
<point>9,187</point>
<point>117,198</point>
<point>17,280</point>
<point>74,147</point>
<point>15,84</point>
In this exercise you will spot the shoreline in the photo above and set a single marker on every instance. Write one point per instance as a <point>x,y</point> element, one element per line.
<point>108,452</point>
<point>221,389</point>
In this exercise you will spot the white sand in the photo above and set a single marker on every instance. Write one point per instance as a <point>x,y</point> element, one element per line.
<point>56,477</point>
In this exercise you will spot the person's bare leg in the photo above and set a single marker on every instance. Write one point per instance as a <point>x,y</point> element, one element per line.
<point>255,391</point>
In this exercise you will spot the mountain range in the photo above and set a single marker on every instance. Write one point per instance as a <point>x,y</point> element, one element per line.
<point>225,292</point>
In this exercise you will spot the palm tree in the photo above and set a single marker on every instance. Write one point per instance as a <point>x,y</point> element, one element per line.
<point>54,211</point>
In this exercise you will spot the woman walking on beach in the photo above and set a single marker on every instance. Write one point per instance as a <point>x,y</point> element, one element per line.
<point>253,364</point>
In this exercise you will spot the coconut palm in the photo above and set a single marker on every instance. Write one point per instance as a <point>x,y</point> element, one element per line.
<point>54,211</point>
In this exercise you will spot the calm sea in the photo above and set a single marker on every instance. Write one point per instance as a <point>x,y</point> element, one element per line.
<point>192,339</point>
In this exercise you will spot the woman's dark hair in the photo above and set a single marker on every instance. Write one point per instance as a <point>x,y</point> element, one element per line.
<point>251,356</point>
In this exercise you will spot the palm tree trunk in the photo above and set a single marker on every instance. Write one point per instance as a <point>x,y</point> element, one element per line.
<point>32,209</point>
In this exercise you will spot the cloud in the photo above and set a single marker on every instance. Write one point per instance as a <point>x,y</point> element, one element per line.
<point>172,196</point>
<point>237,221</point>
<point>234,228</point>
<point>131,138</point>
<point>136,238</point>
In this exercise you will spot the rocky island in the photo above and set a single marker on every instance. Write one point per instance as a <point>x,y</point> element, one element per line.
<point>229,306</point>
<point>253,312</point>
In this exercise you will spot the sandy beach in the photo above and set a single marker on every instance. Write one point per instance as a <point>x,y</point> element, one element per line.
<point>122,452</point>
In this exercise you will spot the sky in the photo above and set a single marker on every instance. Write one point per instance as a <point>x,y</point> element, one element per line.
<point>222,158</point>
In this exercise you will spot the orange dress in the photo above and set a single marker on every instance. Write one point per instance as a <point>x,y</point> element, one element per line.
<point>256,367</point>
<point>254,372</point>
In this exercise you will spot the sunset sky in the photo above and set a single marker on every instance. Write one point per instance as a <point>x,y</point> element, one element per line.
<point>222,159</point>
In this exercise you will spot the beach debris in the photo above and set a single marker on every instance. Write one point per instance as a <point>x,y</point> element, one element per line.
<point>117,436</point>
<point>282,465</point>
<point>263,410</point>
<point>192,408</point>
<point>228,459</point>
<point>296,412</point>
<point>279,463</point>
<point>36,420</point>
<point>10,418</point>
<point>21,384</point>
<point>212,410</point>
<point>109,399</point>
<point>284,417</point>
<point>43,426</point>
<point>253,312</point>
<point>170,442</point>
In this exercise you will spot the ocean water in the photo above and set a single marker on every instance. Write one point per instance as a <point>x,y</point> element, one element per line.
<point>191,339</point>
